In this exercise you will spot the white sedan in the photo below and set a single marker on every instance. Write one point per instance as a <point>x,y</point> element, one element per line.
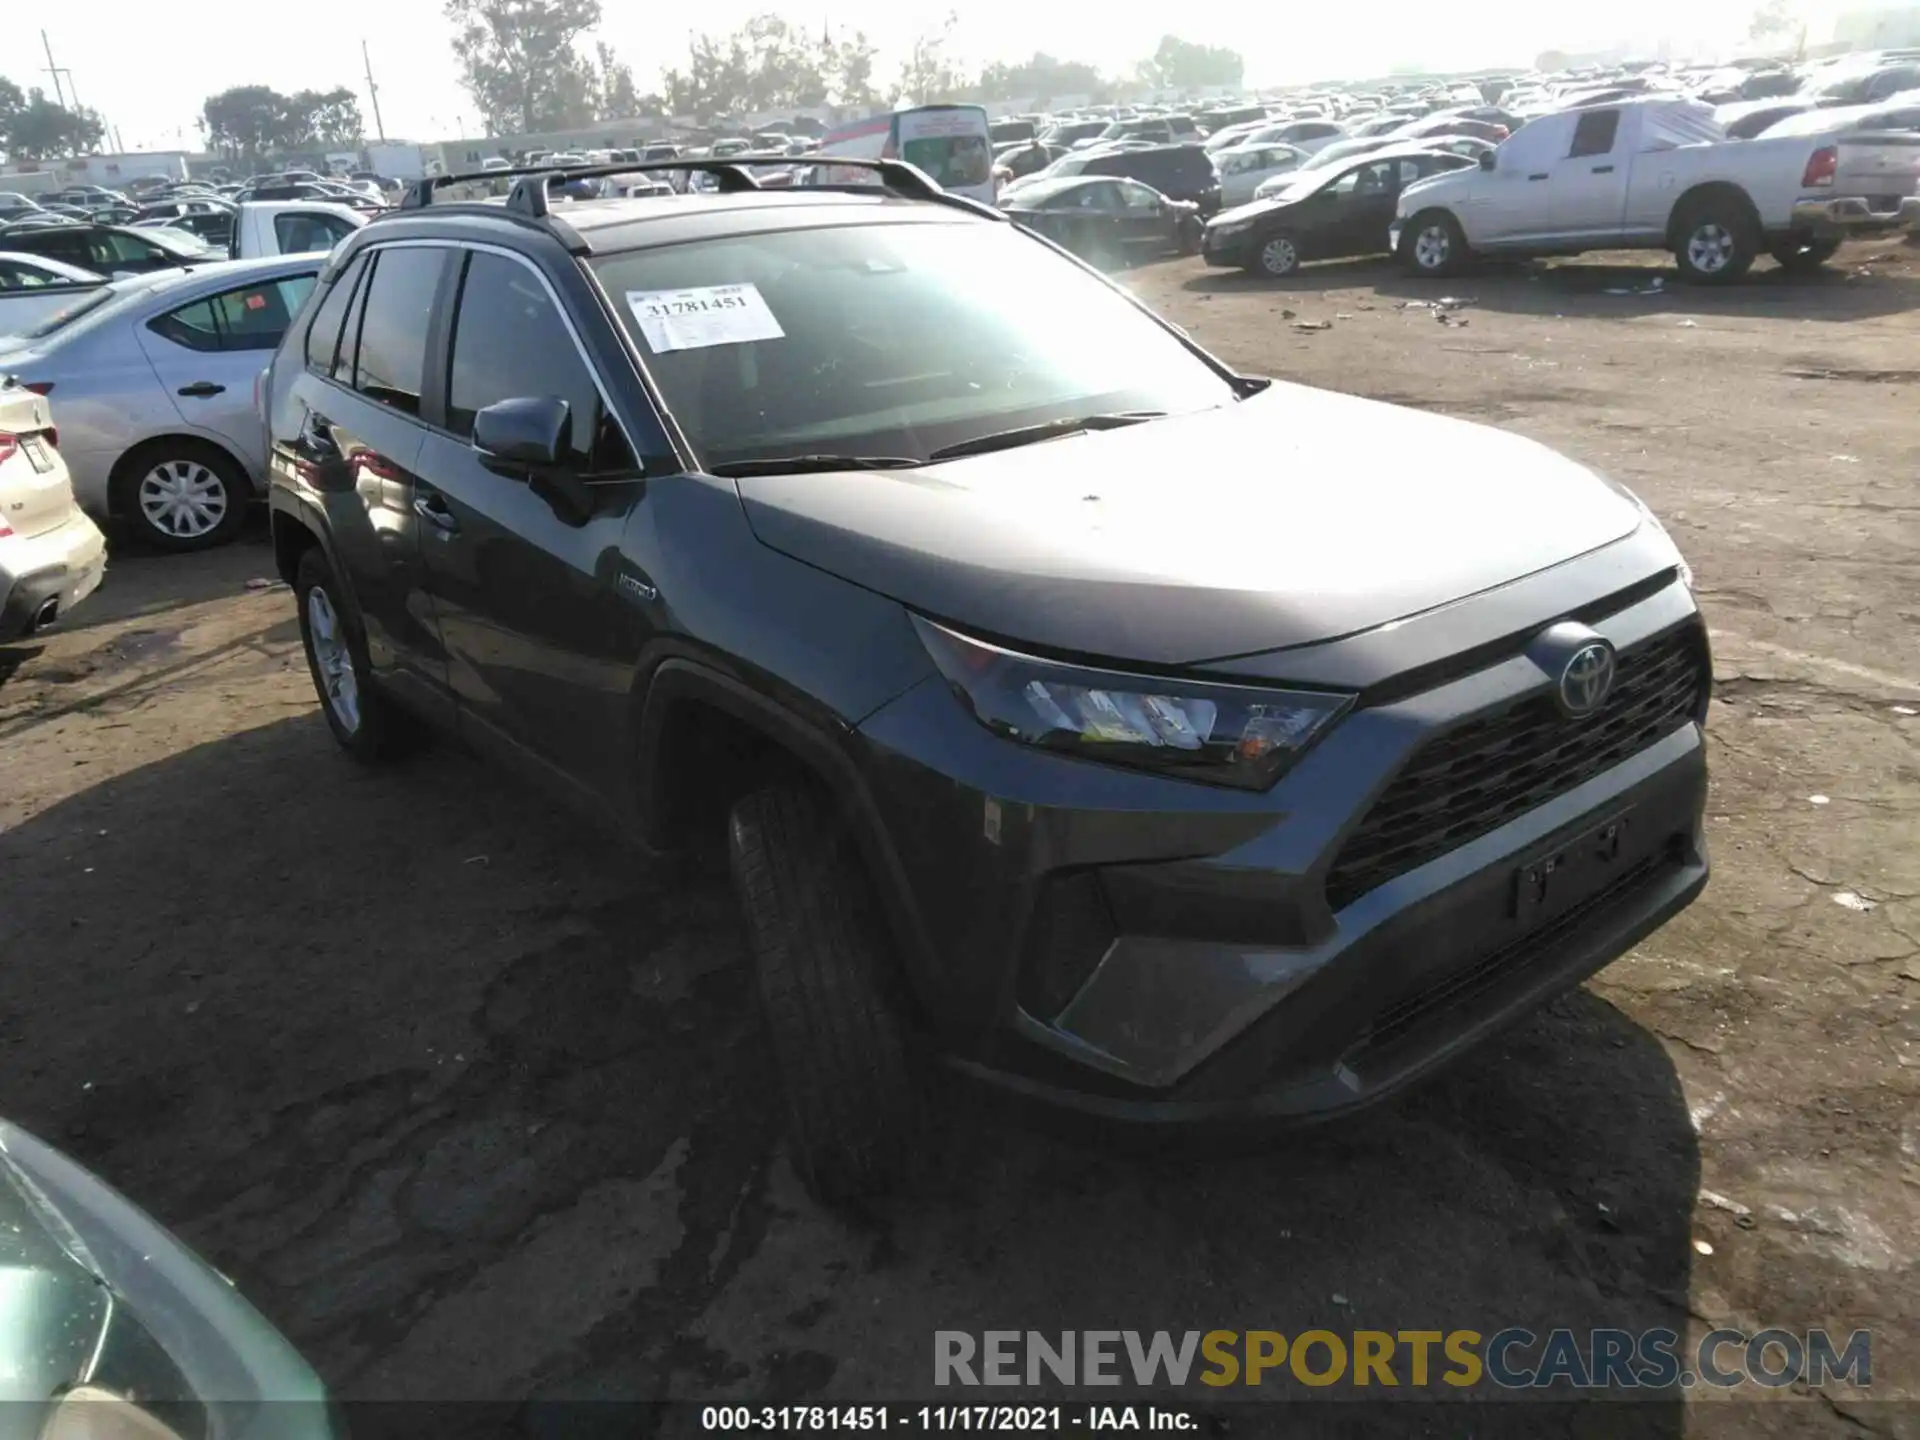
<point>33,285</point>
<point>1244,167</point>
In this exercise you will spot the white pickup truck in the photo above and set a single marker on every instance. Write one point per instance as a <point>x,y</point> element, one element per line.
<point>290,227</point>
<point>1659,174</point>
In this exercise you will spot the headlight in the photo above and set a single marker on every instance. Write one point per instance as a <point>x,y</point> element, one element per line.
<point>1648,517</point>
<point>1232,228</point>
<point>1220,734</point>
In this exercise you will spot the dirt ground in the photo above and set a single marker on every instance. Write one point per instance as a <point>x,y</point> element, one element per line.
<point>473,1104</point>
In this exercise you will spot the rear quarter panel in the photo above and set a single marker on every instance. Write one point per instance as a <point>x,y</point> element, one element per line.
<point>106,399</point>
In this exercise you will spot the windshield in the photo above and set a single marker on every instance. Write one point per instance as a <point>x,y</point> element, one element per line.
<point>176,242</point>
<point>1300,186</point>
<point>888,340</point>
<point>951,159</point>
<point>93,307</point>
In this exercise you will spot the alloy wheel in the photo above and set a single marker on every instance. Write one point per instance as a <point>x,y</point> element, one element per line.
<point>333,660</point>
<point>1710,248</point>
<point>1432,247</point>
<point>1278,257</point>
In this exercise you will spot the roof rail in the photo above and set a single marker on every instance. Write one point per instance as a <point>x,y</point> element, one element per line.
<point>530,199</point>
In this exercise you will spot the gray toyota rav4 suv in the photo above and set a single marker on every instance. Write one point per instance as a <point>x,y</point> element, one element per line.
<point>1119,731</point>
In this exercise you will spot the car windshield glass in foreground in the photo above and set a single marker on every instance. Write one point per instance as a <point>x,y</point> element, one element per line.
<point>889,340</point>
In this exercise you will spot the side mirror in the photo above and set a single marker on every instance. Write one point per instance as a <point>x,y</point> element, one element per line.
<point>1486,160</point>
<point>525,434</point>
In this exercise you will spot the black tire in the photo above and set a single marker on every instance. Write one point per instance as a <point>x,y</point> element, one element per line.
<point>373,730</point>
<point>1278,256</point>
<point>1433,245</point>
<point>1716,240</point>
<point>205,472</point>
<point>854,1101</point>
<point>1803,257</point>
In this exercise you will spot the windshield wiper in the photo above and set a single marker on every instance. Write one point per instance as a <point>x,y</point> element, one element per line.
<point>1045,430</point>
<point>802,464</point>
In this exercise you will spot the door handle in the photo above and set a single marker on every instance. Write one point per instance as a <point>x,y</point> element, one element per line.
<point>1603,169</point>
<point>433,510</point>
<point>1541,176</point>
<point>201,390</point>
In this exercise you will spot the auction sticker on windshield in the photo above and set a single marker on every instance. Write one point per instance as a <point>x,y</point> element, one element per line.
<point>708,315</point>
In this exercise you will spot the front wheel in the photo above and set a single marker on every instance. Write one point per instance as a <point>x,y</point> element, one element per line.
<point>1433,245</point>
<point>818,947</point>
<point>1803,257</point>
<point>1279,256</point>
<point>1718,242</point>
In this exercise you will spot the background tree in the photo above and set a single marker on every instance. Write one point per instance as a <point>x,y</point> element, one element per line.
<point>244,122</point>
<point>12,102</point>
<point>764,65</point>
<point>1777,22</point>
<point>1041,78</point>
<point>1182,65</point>
<point>518,62</point>
<point>322,119</point>
<point>930,72</point>
<point>40,129</point>
<point>618,97</point>
<point>849,69</point>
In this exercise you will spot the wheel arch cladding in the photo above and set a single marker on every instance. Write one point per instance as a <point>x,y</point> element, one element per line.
<point>292,538</point>
<point>683,694</point>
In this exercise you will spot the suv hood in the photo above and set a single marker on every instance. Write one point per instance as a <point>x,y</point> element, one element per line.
<point>1295,516</point>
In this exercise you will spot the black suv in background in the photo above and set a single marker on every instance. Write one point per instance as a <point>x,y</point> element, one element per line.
<point>1179,172</point>
<point>1133,735</point>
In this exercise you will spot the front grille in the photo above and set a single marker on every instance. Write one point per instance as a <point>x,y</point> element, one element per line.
<point>1462,985</point>
<point>1474,779</point>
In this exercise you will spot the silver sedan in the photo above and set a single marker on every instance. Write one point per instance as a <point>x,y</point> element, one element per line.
<point>153,381</point>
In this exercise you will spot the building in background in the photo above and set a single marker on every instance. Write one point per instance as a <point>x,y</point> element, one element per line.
<point>1882,28</point>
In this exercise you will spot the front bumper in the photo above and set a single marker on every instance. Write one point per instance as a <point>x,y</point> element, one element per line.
<point>42,577</point>
<point>1235,250</point>
<point>1146,950</point>
<point>1843,215</point>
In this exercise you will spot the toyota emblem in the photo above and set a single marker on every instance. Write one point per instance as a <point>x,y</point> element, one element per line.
<point>1587,679</point>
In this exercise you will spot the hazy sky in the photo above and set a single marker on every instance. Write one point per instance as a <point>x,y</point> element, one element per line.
<point>147,70</point>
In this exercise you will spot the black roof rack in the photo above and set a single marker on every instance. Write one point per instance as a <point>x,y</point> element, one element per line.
<point>531,182</point>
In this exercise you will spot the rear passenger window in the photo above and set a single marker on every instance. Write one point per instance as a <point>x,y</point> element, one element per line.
<point>323,335</point>
<point>391,363</point>
<point>254,317</point>
<point>1594,134</point>
<point>510,341</point>
<point>191,325</point>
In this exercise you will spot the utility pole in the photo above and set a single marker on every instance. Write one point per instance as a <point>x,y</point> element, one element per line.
<point>54,70</point>
<point>373,92</point>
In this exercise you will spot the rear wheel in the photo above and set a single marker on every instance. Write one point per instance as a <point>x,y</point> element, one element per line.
<point>181,495</point>
<point>1803,257</point>
<point>1718,241</point>
<point>367,725</point>
<point>855,1105</point>
<point>1433,244</point>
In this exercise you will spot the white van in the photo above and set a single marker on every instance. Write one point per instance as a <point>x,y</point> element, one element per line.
<point>950,142</point>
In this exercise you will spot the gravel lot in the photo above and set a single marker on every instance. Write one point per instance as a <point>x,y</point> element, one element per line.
<point>473,1103</point>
